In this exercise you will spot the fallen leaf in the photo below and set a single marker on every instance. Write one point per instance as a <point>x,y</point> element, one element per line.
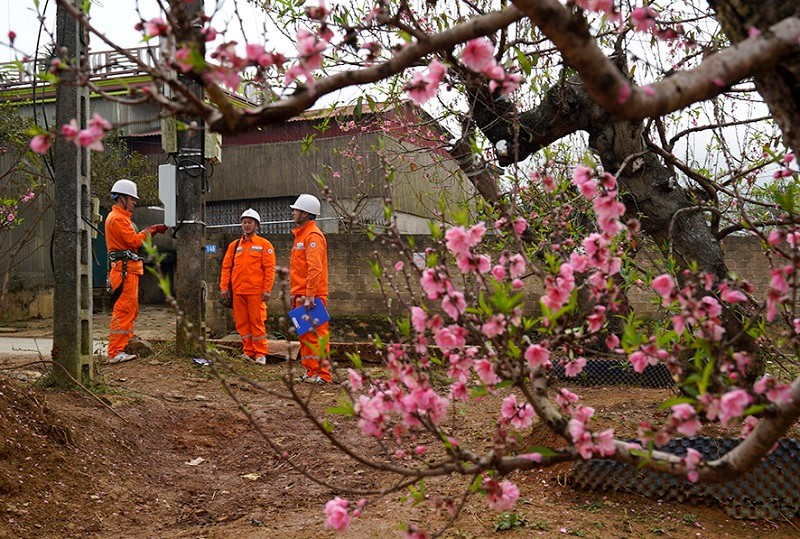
<point>251,476</point>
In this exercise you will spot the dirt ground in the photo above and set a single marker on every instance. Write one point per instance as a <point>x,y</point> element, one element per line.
<point>166,453</point>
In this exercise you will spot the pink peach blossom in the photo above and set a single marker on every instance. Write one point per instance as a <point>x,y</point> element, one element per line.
<point>336,511</point>
<point>664,284</point>
<point>41,143</point>
<point>538,357</point>
<point>478,54</point>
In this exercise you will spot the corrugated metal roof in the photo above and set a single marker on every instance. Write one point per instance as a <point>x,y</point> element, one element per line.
<point>348,110</point>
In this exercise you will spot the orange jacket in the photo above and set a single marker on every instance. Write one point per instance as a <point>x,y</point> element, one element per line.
<point>253,268</point>
<point>308,265</point>
<point>121,235</point>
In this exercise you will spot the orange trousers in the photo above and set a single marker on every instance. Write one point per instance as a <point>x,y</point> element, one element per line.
<point>249,314</point>
<point>315,350</point>
<point>126,310</point>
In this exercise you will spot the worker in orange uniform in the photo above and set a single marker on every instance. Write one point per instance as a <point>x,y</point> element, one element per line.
<point>123,242</point>
<point>248,273</point>
<point>308,280</point>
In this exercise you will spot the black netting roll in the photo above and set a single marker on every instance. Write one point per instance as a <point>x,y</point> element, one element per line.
<point>770,491</point>
<point>609,372</point>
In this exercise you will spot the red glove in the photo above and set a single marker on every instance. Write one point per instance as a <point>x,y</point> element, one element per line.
<point>156,229</point>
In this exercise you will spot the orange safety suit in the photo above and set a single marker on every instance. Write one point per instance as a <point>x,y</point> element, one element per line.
<point>253,262</point>
<point>121,237</point>
<point>308,276</point>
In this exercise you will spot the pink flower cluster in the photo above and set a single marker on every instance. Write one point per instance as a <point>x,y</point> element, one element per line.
<point>517,416</point>
<point>784,171</point>
<point>461,241</point>
<point>501,496</point>
<point>703,314</point>
<point>310,47</point>
<point>778,292</point>
<point>510,266</point>
<point>537,357</point>
<point>691,460</point>
<point>602,191</point>
<point>647,354</point>
<point>729,406</point>
<point>337,515</point>
<point>585,441</point>
<point>774,391</point>
<point>478,55</point>
<point>684,419</point>
<point>406,393</point>
<point>153,28</point>
<point>644,18</point>
<point>91,137</point>
<point>423,86</point>
<point>594,255</point>
<point>558,288</point>
<point>607,7</point>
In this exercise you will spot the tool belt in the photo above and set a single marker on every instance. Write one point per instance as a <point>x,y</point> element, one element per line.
<point>114,256</point>
<point>124,256</point>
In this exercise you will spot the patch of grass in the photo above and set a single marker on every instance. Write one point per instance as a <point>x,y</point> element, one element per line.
<point>509,521</point>
<point>594,507</point>
<point>538,525</point>
<point>689,519</point>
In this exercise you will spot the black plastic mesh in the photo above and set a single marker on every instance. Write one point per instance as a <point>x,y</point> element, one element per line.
<point>770,491</point>
<point>608,372</point>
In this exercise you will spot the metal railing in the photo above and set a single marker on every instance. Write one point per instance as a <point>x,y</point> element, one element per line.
<point>103,65</point>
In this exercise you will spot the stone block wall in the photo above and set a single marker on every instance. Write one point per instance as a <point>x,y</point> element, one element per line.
<point>354,291</point>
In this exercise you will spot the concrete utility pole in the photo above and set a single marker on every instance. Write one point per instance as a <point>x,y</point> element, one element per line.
<point>190,286</point>
<point>72,323</point>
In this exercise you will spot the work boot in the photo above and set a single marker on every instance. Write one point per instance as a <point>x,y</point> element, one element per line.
<point>246,357</point>
<point>314,380</point>
<point>261,360</point>
<point>122,357</point>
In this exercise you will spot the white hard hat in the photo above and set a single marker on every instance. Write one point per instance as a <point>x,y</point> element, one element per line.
<point>306,203</point>
<point>252,214</point>
<point>124,187</point>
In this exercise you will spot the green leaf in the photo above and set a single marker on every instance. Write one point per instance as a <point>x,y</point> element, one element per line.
<point>479,391</point>
<point>669,403</point>
<point>522,60</point>
<point>355,358</point>
<point>702,386</point>
<point>344,406</point>
<point>755,409</point>
<point>327,426</point>
<point>417,494</point>
<point>377,269</point>
<point>542,450</point>
<point>307,146</point>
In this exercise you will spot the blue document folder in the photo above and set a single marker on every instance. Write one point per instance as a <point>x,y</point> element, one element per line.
<point>304,320</point>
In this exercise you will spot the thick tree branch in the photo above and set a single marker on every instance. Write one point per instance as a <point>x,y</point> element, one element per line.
<point>306,97</point>
<point>569,32</point>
